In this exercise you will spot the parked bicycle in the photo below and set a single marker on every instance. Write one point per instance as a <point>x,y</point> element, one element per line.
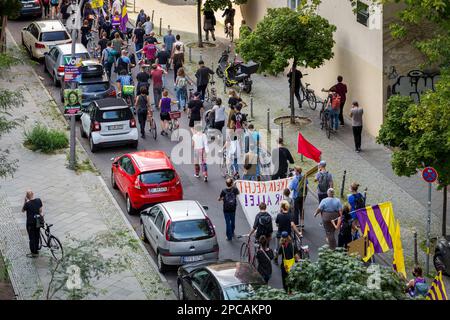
<point>325,117</point>
<point>309,96</point>
<point>152,124</point>
<point>174,125</point>
<point>47,240</point>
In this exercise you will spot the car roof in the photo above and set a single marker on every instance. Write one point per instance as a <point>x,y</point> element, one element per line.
<point>87,80</point>
<point>183,210</point>
<point>110,102</point>
<point>234,272</point>
<point>150,160</point>
<point>66,49</point>
<point>50,25</point>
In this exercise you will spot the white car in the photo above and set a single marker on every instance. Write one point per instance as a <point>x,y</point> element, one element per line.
<point>109,122</point>
<point>40,36</point>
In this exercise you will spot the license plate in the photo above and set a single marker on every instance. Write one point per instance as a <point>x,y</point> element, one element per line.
<point>116,127</point>
<point>157,190</point>
<point>191,259</point>
<point>28,5</point>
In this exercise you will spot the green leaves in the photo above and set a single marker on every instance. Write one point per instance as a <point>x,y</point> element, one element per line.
<point>221,4</point>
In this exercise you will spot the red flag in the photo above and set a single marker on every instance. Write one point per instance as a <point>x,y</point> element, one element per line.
<point>307,149</point>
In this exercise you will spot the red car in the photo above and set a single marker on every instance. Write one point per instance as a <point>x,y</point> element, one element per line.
<point>145,178</point>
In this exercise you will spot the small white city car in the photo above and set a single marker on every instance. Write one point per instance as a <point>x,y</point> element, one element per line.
<point>40,36</point>
<point>109,122</point>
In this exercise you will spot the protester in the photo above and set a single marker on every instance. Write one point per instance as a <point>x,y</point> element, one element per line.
<point>116,6</point>
<point>203,73</point>
<point>290,201</point>
<point>142,17</point>
<point>157,81</point>
<point>341,89</point>
<point>208,23</point>
<point>253,141</point>
<point>180,43</point>
<point>181,83</point>
<point>251,165</point>
<point>149,51</point>
<point>148,26</point>
<point>229,16</point>
<point>117,44</point>
<point>65,14</point>
<point>299,192</point>
<point>344,227</point>
<point>33,208</point>
<point>162,59</point>
<point>138,39</point>
<point>143,78</point>
<point>151,38</point>
<point>142,103</point>
<point>107,27</point>
<point>85,30</point>
<point>289,255</point>
<point>264,257</point>
<point>169,40</point>
<point>330,209</point>
<point>196,109</point>
<point>262,224</point>
<point>281,156</point>
<point>357,124</point>
<point>238,120</point>
<point>46,12</point>
<point>229,198</point>
<point>219,115</point>
<point>297,84</point>
<point>200,145</point>
<point>355,199</point>
<point>234,99</point>
<point>233,149</point>
<point>55,5</point>
<point>177,60</point>
<point>417,286</point>
<point>103,42</point>
<point>108,58</point>
<point>89,14</point>
<point>324,179</point>
<point>123,63</point>
<point>285,223</point>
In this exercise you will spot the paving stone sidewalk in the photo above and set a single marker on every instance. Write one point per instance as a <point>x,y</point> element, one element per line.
<point>78,204</point>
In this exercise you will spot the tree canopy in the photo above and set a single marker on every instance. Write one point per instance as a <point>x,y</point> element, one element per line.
<point>221,4</point>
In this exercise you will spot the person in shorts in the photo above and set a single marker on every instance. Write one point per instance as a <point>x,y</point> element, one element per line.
<point>195,108</point>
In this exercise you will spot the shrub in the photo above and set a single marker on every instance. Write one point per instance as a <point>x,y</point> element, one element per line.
<point>45,139</point>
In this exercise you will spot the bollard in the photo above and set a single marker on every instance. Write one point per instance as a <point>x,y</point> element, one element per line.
<point>301,158</point>
<point>153,15</point>
<point>416,259</point>
<point>365,196</point>
<point>160,26</point>
<point>282,130</point>
<point>343,184</point>
<point>190,55</point>
<point>268,120</point>
<point>224,86</point>
<point>251,106</point>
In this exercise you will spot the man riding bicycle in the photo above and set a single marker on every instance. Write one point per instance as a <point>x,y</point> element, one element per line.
<point>229,17</point>
<point>124,86</point>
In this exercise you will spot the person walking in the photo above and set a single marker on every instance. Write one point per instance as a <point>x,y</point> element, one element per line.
<point>330,209</point>
<point>219,115</point>
<point>264,256</point>
<point>157,80</point>
<point>148,26</point>
<point>281,156</point>
<point>341,89</point>
<point>251,170</point>
<point>46,5</point>
<point>165,106</point>
<point>143,78</point>
<point>299,187</point>
<point>356,113</point>
<point>209,21</point>
<point>85,30</point>
<point>262,225</point>
<point>162,59</point>
<point>297,84</point>
<point>229,198</point>
<point>195,110</point>
<point>142,103</point>
<point>200,145</point>
<point>150,51</point>
<point>203,73</point>
<point>33,208</point>
<point>355,199</point>
<point>116,6</point>
<point>178,42</point>
<point>290,201</point>
<point>117,43</point>
<point>142,17</point>
<point>55,5</point>
<point>102,43</point>
<point>324,179</point>
<point>181,83</point>
<point>138,39</point>
<point>233,155</point>
<point>285,223</point>
<point>108,58</point>
<point>169,40</point>
<point>289,256</point>
<point>177,61</point>
<point>107,26</point>
<point>344,226</point>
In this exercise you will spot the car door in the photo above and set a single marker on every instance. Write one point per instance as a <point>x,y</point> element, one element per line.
<point>120,173</point>
<point>194,283</point>
<point>26,35</point>
<point>148,221</point>
<point>48,59</point>
<point>129,178</point>
<point>33,37</point>
<point>211,290</point>
<point>87,118</point>
<point>160,222</point>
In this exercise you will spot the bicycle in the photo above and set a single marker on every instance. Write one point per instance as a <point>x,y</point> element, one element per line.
<point>309,96</point>
<point>152,124</point>
<point>211,94</point>
<point>91,46</point>
<point>229,31</point>
<point>227,168</point>
<point>174,125</point>
<point>302,249</point>
<point>325,121</point>
<point>247,253</point>
<point>46,239</point>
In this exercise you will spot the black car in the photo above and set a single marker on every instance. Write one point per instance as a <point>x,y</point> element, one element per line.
<point>441,257</point>
<point>31,8</point>
<point>212,280</point>
<point>94,84</point>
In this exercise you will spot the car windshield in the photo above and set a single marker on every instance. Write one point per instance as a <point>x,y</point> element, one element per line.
<point>94,87</point>
<point>156,177</point>
<point>54,36</point>
<point>240,291</point>
<point>190,230</point>
<point>114,115</point>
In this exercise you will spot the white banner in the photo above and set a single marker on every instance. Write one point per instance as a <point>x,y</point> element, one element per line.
<point>252,193</point>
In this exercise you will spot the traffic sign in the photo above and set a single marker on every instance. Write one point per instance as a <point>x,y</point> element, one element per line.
<point>429,174</point>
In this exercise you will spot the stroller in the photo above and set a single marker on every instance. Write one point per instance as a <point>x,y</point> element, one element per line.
<point>209,125</point>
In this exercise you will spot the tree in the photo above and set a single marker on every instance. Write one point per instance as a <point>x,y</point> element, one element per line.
<point>337,276</point>
<point>285,35</point>
<point>11,9</point>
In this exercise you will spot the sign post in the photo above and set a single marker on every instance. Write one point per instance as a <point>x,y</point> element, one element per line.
<point>430,175</point>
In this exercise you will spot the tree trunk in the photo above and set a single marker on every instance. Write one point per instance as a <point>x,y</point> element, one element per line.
<point>444,213</point>
<point>4,21</point>
<point>199,20</point>
<point>291,91</point>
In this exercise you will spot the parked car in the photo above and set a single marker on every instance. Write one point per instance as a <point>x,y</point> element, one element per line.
<point>40,36</point>
<point>109,122</point>
<point>212,280</point>
<point>31,8</point>
<point>54,60</point>
<point>179,232</point>
<point>441,257</point>
<point>94,84</point>
<point>145,178</point>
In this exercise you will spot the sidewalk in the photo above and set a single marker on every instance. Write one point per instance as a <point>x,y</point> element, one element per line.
<point>78,204</point>
<point>371,168</point>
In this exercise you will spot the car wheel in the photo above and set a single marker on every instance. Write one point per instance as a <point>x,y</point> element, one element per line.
<point>113,181</point>
<point>82,133</point>
<point>181,292</point>
<point>143,236</point>
<point>92,145</point>
<point>130,209</point>
<point>161,266</point>
<point>23,42</point>
<point>61,95</point>
<point>134,145</point>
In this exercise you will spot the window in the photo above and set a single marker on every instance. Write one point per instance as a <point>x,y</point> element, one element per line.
<point>199,278</point>
<point>112,115</point>
<point>362,13</point>
<point>153,213</point>
<point>293,4</point>
<point>95,87</point>
<point>157,177</point>
<point>127,165</point>
<point>159,220</point>
<point>212,290</point>
<point>54,36</point>
<point>190,230</point>
<point>34,31</point>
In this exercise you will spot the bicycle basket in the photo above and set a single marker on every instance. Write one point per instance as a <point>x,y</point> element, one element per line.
<point>175,115</point>
<point>128,90</point>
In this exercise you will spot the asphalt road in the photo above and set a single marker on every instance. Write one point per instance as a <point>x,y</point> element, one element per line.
<point>205,193</point>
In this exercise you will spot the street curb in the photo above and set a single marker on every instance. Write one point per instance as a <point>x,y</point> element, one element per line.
<point>108,192</point>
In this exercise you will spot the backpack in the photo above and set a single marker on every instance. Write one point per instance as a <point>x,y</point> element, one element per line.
<point>359,201</point>
<point>121,65</point>
<point>54,2</point>
<point>420,288</point>
<point>300,186</point>
<point>238,122</point>
<point>111,54</point>
<point>335,101</point>
<point>346,228</point>
<point>323,182</point>
<point>181,83</point>
<point>229,200</point>
<point>265,224</point>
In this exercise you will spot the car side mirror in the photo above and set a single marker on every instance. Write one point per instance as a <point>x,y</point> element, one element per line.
<point>145,213</point>
<point>206,208</point>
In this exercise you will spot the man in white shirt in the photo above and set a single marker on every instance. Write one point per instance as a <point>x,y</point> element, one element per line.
<point>148,26</point>
<point>200,145</point>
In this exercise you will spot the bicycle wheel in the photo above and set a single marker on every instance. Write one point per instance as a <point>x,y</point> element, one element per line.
<point>207,96</point>
<point>153,128</point>
<point>311,98</point>
<point>244,253</point>
<point>55,247</point>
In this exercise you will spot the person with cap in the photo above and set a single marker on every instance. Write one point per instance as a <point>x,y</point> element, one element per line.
<point>195,110</point>
<point>289,255</point>
<point>33,207</point>
<point>324,179</point>
<point>330,209</point>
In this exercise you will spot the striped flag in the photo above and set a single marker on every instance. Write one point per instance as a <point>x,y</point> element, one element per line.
<point>124,17</point>
<point>437,289</point>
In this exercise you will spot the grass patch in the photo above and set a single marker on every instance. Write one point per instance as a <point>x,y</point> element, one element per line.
<point>84,166</point>
<point>45,139</point>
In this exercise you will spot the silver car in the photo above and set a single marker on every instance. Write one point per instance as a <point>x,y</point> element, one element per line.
<point>179,232</point>
<point>54,60</point>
